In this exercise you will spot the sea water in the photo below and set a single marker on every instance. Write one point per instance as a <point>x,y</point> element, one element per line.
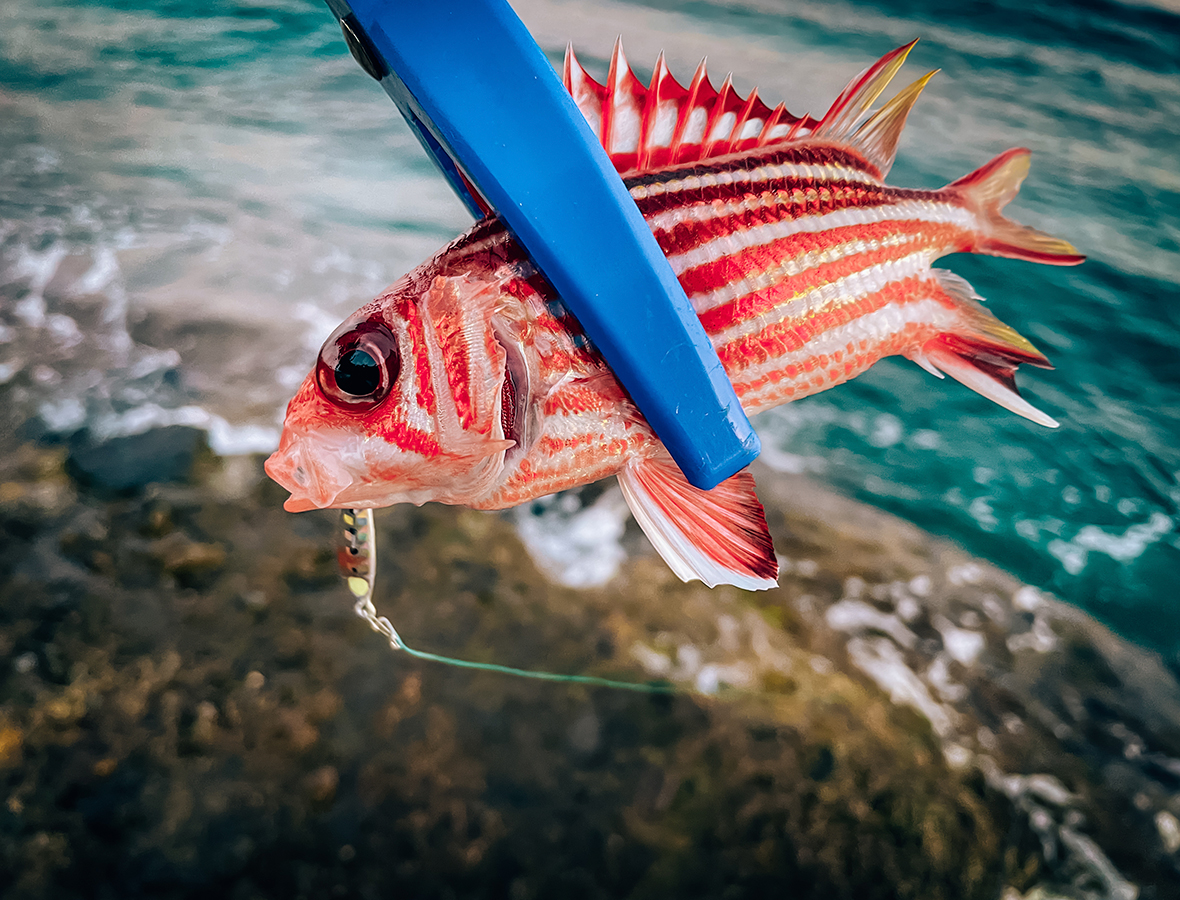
<point>191,198</point>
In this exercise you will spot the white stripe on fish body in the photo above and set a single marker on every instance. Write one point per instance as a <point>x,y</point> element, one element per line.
<point>848,289</point>
<point>875,328</point>
<point>745,285</point>
<point>929,211</point>
<point>551,470</point>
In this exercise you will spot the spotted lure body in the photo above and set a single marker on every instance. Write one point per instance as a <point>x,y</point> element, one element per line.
<point>467,383</point>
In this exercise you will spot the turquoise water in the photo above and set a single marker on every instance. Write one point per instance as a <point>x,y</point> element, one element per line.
<point>189,204</point>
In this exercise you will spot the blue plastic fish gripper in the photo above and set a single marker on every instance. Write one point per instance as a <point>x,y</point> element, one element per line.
<point>487,105</point>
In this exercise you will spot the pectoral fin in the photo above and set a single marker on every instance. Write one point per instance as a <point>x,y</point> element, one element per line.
<point>718,536</point>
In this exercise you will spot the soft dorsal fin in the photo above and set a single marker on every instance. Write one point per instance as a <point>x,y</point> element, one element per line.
<point>666,123</point>
<point>718,536</point>
<point>877,138</point>
<point>850,108</point>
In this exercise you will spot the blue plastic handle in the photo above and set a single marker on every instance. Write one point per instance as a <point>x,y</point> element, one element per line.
<point>488,106</point>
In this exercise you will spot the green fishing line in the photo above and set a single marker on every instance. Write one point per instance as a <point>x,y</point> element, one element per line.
<point>359,566</point>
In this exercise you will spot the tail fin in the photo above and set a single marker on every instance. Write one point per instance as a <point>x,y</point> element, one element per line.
<point>988,190</point>
<point>982,352</point>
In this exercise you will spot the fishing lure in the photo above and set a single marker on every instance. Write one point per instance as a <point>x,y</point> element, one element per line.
<point>357,555</point>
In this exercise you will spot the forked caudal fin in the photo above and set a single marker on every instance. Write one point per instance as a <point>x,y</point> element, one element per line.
<point>988,190</point>
<point>717,536</point>
<point>982,353</point>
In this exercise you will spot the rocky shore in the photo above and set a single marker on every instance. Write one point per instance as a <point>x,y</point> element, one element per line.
<point>189,707</point>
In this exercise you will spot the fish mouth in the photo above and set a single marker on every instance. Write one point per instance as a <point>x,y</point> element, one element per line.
<point>311,472</point>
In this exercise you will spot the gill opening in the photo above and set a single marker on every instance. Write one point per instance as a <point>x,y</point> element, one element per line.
<point>514,399</point>
<point>358,564</point>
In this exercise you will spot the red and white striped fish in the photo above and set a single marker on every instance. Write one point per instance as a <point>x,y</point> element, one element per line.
<point>466,382</point>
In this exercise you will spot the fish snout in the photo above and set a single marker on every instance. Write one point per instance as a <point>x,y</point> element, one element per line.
<point>314,480</point>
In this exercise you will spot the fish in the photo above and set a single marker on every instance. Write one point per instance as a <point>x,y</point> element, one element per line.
<point>468,382</point>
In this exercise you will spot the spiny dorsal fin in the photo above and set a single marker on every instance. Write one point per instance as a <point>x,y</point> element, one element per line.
<point>667,123</point>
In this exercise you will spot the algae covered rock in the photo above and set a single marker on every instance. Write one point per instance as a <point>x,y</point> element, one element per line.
<point>192,707</point>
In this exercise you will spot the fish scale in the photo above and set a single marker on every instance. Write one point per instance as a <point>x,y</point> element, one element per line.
<point>804,267</point>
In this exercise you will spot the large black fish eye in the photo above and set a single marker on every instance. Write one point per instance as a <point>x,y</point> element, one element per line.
<point>359,364</point>
<point>357,373</point>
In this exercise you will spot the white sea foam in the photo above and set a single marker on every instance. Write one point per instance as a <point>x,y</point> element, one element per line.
<point>225,438</point>
<point>854,616</point>
<point>884,663</point>
<point>962,644</point>
<point>574,545</point>
<point>1130,545</point>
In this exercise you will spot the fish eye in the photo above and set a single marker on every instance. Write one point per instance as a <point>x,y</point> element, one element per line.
<point>357,373</point>
<point>359,365</point>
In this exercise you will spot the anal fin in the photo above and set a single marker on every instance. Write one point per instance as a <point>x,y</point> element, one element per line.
<point>718,536</point>
<point>982,352</point>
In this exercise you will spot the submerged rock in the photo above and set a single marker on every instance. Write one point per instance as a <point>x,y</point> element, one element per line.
<point>190,706</point>
<point>122,464</point>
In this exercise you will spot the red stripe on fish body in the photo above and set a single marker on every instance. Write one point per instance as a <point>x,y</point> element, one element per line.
<point>410,439</point>
<point>794,359</point>
<point>795,267</point>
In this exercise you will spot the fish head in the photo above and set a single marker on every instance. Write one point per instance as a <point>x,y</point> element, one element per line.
<point>413,399</point>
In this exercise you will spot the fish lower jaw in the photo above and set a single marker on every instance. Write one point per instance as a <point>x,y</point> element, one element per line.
<point>305,496</point>
<point>300,504</point>
<point>326,485</point>
<point>315,480</point>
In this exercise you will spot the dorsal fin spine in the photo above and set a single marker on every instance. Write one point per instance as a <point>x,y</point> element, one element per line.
<point>716,133</point>
<point>700,92</point>
<point>661,116</point>
<point>779,125</point>
<point>753,113</point>
<point>677,129</point>
<point>589,96</point>
<point>622,118</point>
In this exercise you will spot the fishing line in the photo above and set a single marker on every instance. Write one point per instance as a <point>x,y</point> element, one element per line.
<point>358,564</point>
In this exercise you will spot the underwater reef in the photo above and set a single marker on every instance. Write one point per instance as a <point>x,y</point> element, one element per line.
<point>189,706</point>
